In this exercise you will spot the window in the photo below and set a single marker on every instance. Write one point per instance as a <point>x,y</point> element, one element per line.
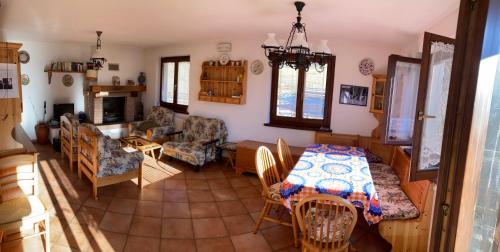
<point>174,88</point>
<point>300,99</point>
<point>401,99</point>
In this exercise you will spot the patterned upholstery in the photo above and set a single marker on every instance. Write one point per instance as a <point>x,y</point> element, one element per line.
<point>274,192</point>
<point>160,115</point>
<point>326,227</point>
<point>111,158</point>
<point>395,204</point>
<point>75,123</point>
<point>383,174</point>
<point>191,147</point>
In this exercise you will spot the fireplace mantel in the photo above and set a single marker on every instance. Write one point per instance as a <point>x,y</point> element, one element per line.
<point>117,89</point>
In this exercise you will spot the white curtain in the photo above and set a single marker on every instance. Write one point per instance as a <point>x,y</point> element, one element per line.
<point>435,105</point>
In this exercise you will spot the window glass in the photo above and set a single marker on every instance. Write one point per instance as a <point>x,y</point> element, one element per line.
<point>168,82</point>
<point>183,83</point>
<point>314,93</point>
<point>287,92</point>
<point>403,102</point>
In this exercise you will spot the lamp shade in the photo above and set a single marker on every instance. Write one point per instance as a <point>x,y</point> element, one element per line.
<point>323,47</point>
<point>271,40</point>
<point>300,41</point>
<point>97,54</point>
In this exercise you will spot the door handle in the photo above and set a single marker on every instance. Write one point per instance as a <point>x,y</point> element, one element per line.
<point>422,116</point>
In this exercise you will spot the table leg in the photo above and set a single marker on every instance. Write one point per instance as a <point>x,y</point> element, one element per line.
<point>153,154</point>
<point>294,227</point>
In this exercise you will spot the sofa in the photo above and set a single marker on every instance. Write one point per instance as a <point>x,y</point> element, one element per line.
<point>159,123</point>
<point>198,141</point>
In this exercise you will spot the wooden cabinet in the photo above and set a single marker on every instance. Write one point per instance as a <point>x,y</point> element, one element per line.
<point>10,108</point>
<point>224,84</point>
<point>377,101</point>
<point>245,155</point>
<point>378,84</point>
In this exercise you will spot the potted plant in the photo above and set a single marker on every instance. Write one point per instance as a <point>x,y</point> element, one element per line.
<point>42,128</point>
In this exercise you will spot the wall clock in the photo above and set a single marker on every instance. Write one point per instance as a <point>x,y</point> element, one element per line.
<point>366,66</point>
<point>257,67</point>
<point>24,57</point>
<point>67,80</point>
<point>224,59</point>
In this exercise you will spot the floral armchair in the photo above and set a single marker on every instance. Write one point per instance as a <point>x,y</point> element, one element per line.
<point>198,141</point>
<point>69,135</point>
<point>158,124</point>
<point>103,160</point>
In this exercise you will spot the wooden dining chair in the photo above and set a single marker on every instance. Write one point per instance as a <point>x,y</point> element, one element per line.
<point>285,157</point>
<point>21,211</point>
<point>271,182</point>
<point>326,222</point>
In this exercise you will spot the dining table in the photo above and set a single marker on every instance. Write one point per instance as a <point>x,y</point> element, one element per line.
<point>335,170</point>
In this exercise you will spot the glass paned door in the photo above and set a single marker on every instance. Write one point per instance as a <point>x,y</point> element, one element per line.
<point>400,100</point>
<point>437,59</point>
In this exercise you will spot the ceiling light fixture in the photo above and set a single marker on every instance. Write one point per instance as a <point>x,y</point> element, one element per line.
<point>296,53</point>
<point>98,58</point>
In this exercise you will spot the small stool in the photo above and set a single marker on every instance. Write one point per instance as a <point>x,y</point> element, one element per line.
<point>230,149</point>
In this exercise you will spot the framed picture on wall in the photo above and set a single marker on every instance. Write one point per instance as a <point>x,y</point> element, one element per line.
<point>353,95</point>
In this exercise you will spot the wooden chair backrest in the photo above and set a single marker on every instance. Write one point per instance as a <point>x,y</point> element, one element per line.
<point>87,148</point>
<point>266,168</point>
<point>67,134</point>
<point>285,156</point>
<point>334,211</point>
<point>18,176</point>
<point>417,190</point>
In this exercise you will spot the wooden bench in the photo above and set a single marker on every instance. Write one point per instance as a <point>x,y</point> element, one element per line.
<point>412,234</point>
<point>245,155</point>
<point>404,235</point>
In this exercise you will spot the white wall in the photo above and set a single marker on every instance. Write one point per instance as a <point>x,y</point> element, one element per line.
<point>447,26</point>
<point>38,91</point>
<point>246,121</point>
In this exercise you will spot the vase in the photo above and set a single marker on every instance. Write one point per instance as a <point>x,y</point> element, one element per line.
<point>42,133</point>
<point>142,78</point>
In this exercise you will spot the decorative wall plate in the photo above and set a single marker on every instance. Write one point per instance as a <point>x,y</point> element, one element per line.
<point>25,79</point>
<point>224,59</point>
<point>257,67</point>
<point>366,66</point>
<point>24,57</point>
<point>67,80</point>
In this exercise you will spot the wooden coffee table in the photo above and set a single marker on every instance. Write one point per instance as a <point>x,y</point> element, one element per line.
<point>142,145</point>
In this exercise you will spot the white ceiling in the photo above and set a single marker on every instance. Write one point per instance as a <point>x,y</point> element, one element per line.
<point>147,23</point>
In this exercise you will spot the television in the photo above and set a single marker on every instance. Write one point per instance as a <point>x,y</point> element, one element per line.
<point>62,108</point>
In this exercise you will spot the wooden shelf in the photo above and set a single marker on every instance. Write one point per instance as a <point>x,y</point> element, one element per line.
<point>224,82</point>
<point>220,99</point>
<point>378,84</point>
<point>49,73</point>
<point>117,89</point>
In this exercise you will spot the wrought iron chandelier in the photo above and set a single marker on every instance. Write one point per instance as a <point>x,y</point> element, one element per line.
<point>296,52</point>
<point>97,58</point>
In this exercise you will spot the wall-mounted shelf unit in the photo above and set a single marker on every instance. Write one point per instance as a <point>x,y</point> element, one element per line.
<point>377,102</point>
<point>49,73</point>
<point>224,84</point>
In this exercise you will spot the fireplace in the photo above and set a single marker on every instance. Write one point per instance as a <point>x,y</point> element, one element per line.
<point>113,109</point>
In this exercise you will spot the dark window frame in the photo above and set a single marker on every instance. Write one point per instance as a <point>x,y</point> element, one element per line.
<point>388,90</point>
<point>415,173</point>
<point>298,122</point>
<point>178,108</point>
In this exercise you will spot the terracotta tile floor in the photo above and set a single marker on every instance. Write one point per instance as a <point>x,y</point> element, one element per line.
<point>178,210</point>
